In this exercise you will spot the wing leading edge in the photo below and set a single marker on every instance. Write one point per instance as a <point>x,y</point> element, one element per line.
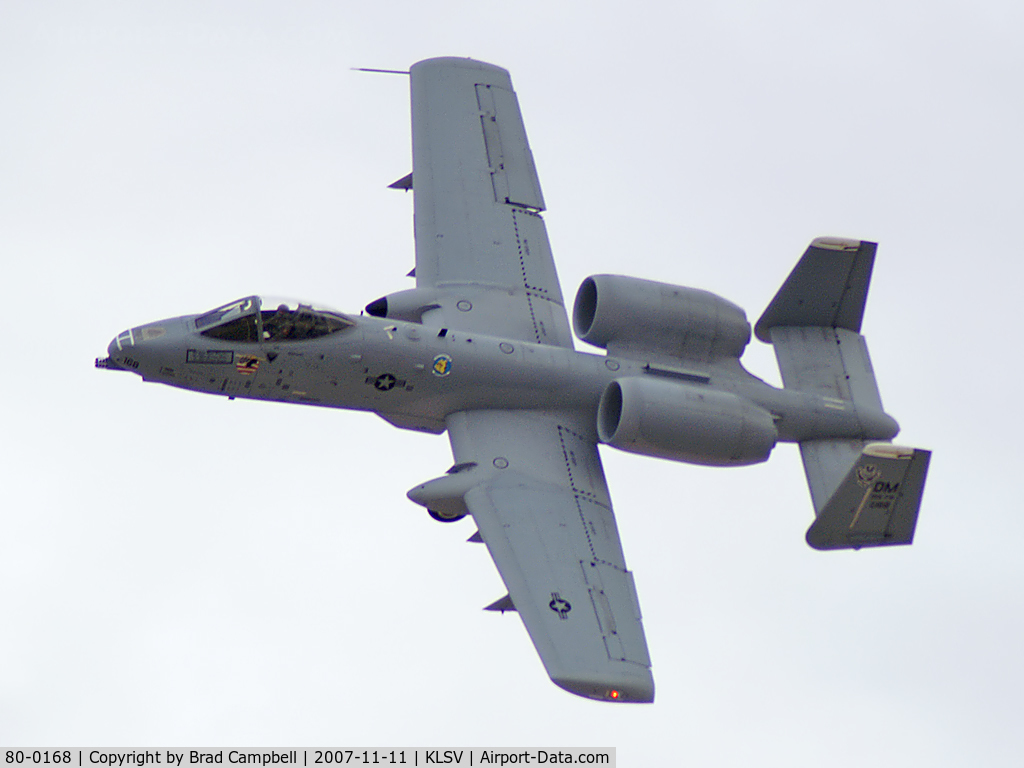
<point>543,510</point>
<point>481,244</point>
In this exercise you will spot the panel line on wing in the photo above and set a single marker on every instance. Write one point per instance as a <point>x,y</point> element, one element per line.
<point>510,161</point>
<point>616,588</point>
<point>523,248</point>
<point>492,143</point>
<point>581,495</point>
<point>523,245</point>
<point>575,492</point>
<point>570,461</point>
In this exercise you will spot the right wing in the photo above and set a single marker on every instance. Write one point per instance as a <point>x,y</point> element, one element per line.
<point>542,508</point>
<point>481,245</point>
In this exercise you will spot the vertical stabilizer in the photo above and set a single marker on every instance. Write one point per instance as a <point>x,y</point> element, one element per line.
<point>877,502</point>
<point>827,288</point>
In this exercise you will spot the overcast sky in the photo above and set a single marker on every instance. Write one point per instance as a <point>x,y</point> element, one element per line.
<point>180,570</point>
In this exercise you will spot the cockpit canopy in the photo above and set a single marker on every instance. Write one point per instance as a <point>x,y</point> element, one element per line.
<point>261,318</point>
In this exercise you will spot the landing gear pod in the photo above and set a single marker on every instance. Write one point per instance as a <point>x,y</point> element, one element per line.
<point>444,497</point>
<point>445,518</point>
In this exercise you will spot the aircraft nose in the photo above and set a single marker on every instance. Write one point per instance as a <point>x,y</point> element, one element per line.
<point>122,341</point>
<point>138,349</point>
<point>117,359</point>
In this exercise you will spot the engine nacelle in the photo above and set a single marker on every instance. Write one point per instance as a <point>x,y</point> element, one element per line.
<point>615,311</point>
<point>684,422</point>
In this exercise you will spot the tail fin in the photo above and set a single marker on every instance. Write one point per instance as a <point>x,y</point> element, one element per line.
<point>814,325</point>
<point>877,502</point>
<point>827,288</point>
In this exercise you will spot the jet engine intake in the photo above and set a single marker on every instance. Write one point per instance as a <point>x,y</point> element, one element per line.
<point>684,422</point>
<point>624,313</point>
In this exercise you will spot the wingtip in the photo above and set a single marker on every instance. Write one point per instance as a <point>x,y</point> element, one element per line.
<point>624,691</point>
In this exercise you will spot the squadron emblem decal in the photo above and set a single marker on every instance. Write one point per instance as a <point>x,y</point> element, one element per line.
<point>867,474</point>
<point>559,606</point>
<point>442,365</point>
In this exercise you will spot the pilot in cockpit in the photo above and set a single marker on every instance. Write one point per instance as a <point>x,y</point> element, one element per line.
<point>245,321</point>
<point>280,325</point>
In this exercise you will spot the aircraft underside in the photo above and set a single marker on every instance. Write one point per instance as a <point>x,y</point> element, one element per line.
<point>482,348</point>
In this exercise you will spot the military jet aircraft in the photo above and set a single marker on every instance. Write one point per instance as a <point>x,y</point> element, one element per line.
<point>482,348</point>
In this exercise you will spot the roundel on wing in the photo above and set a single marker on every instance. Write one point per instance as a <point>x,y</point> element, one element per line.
<point>559,605</point>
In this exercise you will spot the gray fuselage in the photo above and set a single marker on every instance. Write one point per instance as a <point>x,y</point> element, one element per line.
<point>415,376</point>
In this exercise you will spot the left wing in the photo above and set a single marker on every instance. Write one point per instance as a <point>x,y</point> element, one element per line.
<point>542,507</point>
<point>482,252</point>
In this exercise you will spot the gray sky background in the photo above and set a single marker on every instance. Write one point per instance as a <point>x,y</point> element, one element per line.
<point>177,569</point>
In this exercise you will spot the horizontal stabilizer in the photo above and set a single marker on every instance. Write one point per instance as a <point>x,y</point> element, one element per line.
<point>877,502</point>
<point>827,288</point>
<point>831,362</point>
